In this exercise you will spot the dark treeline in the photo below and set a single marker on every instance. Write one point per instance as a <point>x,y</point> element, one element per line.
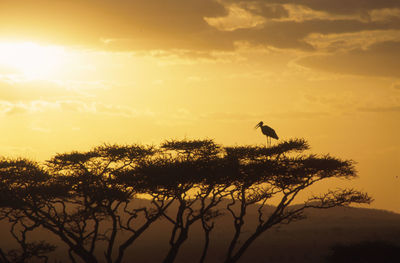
<point>89,199</point>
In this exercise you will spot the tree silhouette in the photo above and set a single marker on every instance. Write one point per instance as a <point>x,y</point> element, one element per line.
<point>23,185</point>
<point>190,172</point>
<point>265,173</point>
<point>82,199</point>
<point>91,200</point>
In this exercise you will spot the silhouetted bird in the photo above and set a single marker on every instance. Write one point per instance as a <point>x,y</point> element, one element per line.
<point>267,131</point>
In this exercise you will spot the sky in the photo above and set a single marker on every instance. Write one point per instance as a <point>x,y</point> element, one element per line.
<point>75,74</point>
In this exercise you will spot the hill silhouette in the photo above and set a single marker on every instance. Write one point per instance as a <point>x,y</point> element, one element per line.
<point>308,240</point>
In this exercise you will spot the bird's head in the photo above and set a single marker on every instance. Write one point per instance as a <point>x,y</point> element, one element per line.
<point>258,125</point>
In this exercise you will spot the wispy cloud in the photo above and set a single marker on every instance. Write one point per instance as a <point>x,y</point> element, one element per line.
<point>379,59</point>
<point>40,106</point>
<point>236,18</point>
<point>396,86</point>
<point>232,116</point>
<point>178,117</point>
<point>347,41</point>
<point>380,109</point>
<point>17,151</point>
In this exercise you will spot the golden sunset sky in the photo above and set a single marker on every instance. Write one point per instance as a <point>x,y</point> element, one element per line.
<point>75,74</point>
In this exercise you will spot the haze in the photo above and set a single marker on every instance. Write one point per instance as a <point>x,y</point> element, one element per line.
<point>75,74</point>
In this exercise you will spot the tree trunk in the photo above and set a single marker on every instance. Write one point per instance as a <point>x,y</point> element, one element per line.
<point>243,248</point>
<point>205,249</point>
<point>173,252</point>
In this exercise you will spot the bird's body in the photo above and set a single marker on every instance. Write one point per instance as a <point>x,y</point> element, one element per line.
<point>267,131</point>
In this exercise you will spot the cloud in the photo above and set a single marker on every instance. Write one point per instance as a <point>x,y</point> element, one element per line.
<point>102,109</point>
<point>18,108</point>
<point>147,24</point>
<point>41,106</point>
<point>342,6</point>
<point>202,25</point>
<point>396,86</point>
<point>232,116</point>
<point>177,117</point>
<point>14,88</point>
<point>302,10</point>
<point>236,18</point>
<point>240,116</point>
<point>302,114</point>
<point>349,41</point>
<point>293,35</point>
<point>380,109</point>
<point>17,151</point>
<point>384,14</point>
<point>379,59</point>
<point>11,109</point>
<point>265,9</point>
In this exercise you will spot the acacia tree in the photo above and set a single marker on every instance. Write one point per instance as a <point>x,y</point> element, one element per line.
<point>200,171</point>
<point>83,198</point>
<point>191,173</point>
<point>17,188</point>
<point>89,199</point>
<point>262,174</point>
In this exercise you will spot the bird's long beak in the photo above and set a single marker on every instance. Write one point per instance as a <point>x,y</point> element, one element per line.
<point>258,125</point>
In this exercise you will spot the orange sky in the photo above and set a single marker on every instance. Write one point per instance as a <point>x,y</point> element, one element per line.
<point>75,74</point>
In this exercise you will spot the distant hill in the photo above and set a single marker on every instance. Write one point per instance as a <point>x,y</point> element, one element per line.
<point>308,240</point>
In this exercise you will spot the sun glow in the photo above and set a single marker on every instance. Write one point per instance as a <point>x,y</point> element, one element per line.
<point>32,60</point>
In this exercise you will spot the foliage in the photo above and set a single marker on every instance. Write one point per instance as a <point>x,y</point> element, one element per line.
<point>90,199</point>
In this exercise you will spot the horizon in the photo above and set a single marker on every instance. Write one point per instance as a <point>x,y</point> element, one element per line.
<point>77,74</point>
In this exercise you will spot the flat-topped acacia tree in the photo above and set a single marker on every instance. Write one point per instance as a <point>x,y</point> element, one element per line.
<point>266,173</point>
<point>90,199</point>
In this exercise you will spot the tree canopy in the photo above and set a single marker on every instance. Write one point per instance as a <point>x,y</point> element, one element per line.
<point>90,199</point>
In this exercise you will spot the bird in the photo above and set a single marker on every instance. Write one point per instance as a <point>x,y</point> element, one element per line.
<point>267,131</point>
